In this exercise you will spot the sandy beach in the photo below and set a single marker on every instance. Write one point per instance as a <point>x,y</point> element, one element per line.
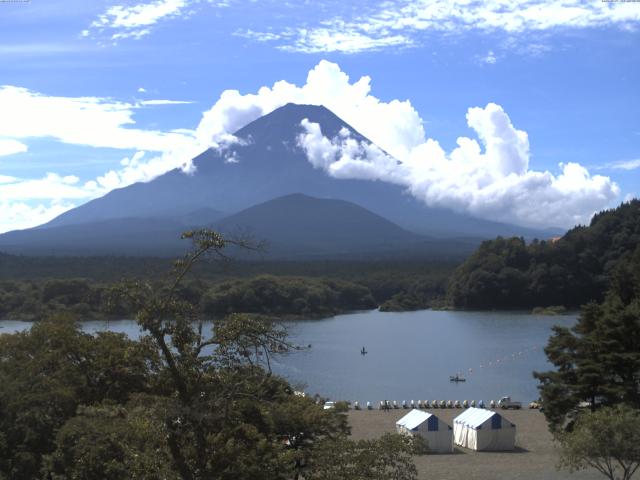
<point>535,457</point>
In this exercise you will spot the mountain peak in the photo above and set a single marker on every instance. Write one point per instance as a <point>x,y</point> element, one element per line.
<point>284,123</point>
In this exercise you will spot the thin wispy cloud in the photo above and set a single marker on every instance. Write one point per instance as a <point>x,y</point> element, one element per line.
<point>400,22</point>
<point>625,164</point>
<point>121,22</point>
<point>490,58</point>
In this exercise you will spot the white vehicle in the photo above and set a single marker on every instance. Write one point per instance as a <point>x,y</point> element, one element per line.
<point>329,405</point>
<point>506,402</point>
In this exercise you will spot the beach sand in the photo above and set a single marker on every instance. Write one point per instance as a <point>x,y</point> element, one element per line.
<point>535,457</point>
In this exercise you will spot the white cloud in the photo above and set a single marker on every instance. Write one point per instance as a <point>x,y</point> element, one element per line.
<point>495,184</point>
<point>88,121</point>
<point>398,22</point>
<point>349,40</point>
<point>142,90</point>
<point>625,164</point>
<point>136,21</point>
<point>164,102</point>
<point>8,146</point>
<point>7,179</point>
<point>21,215</point>
<point>346,157</point>
<point>490,58</point>
<point>27,203</point>
<point>133,21</point>
<point>91,121</point>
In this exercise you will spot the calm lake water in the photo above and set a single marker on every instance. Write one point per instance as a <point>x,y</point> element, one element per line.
<point>410,355</point>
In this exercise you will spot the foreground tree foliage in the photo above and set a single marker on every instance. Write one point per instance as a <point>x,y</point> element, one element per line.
<point>607,440</point>
<point>48,372</point>
<point>186,401</point>
<point>598,360</point>
<point>381,459</point>
<point>574,270</point>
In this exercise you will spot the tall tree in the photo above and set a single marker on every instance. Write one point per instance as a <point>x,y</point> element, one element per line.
<point>598,360</point>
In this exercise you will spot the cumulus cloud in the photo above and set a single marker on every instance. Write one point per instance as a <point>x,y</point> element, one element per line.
<point>399,22</point>
<point>9,146</point>
<point>346,157</point>
<point>490,179</point>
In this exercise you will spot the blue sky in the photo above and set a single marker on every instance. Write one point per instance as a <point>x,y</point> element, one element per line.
<point>100,94</point>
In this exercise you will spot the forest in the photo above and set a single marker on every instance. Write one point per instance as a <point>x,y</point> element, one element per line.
<point>569,271</point>
<point>323,292</point>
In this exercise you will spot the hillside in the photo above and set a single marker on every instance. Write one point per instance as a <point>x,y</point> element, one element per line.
<point>300,224</point>
<point>509,273</point>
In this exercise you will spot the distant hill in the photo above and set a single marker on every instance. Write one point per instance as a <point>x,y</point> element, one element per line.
<point>295,226</point>
<point>573,270</point>
<point>266,164</point>
<point>299,224</point>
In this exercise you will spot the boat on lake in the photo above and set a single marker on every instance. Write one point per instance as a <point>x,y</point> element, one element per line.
<point>457,378</point>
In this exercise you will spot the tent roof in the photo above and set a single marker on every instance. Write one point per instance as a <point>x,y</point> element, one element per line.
<point>414,418</point>
<point>474,417</point>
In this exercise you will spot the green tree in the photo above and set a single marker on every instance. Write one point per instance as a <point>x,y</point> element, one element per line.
<point>597,360</point>
<point>111,442</point>
<point>607,440</point>
<point>225,415</point>
<point>47,372</point>
<point>570,271</point>
<point>386,458</point>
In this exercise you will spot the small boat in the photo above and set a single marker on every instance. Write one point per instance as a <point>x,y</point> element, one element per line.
<point>457,378</point>
<point>363,351</point>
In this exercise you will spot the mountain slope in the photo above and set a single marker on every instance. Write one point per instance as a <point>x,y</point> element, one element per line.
<point>269,164</point>
<point>117,236</point>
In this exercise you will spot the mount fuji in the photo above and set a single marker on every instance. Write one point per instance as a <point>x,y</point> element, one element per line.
<point>266,171</point>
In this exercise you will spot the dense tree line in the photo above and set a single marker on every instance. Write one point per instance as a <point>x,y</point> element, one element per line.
<point>292,296</point>
<point>178,403</point>
<point>286,296</point>
<point>570,271</point>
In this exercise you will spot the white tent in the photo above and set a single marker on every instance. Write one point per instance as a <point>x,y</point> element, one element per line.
<point>480,429</point>
<point>438,434</point>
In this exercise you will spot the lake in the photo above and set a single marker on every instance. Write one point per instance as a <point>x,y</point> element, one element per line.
<point>410,354</point>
